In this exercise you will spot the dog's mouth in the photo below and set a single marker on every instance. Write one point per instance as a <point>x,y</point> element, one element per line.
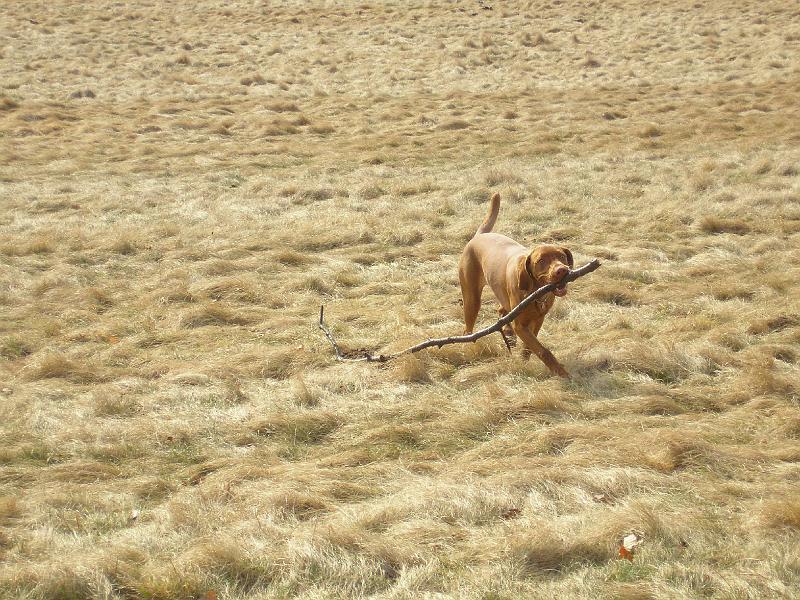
<point>561,290</point>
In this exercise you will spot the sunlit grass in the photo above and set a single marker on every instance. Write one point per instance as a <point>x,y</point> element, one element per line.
<point>182,186</point>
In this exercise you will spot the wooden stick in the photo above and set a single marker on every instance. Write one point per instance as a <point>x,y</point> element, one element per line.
<point>460,339</point>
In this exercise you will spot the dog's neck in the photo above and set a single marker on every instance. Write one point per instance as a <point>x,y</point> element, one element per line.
<point>541,302</point>
<point>530,273</point>
<point>534,279</point>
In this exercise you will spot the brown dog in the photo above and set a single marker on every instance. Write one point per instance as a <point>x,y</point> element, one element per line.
<point>513,273</point>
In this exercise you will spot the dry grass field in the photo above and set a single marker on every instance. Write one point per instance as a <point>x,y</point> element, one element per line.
<point>182,184</point>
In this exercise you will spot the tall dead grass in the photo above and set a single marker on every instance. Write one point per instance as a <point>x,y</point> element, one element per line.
<point>182,186</point>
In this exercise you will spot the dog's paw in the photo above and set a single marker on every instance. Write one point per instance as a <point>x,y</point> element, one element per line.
<point>561,372</point>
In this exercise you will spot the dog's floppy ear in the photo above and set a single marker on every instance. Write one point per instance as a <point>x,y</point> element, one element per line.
<point>570,262</point>
<point>524,279</point>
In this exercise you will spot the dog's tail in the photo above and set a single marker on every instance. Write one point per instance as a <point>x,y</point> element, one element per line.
<point>491,217</point>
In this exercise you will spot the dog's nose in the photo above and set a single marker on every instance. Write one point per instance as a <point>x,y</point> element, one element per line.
<point>561,271</point>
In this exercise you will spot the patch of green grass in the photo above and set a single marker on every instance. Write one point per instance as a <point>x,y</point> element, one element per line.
<point>13,347</point>
<point>625,571</point>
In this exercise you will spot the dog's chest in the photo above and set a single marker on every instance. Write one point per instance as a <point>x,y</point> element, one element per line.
<point>540,306</point>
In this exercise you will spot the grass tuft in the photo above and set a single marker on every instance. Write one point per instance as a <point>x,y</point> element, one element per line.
<point>13,347</point>
<point>543,552</point>
<point>298,428</point>
<point>651,131</point>
<point>280,106</point>
<point>716,225</point>
<point>772,324</point>
<point>111,403</point>
<point>781,513</point>
<point>410,369</point>
<point>214,315</point>
<point>7,104</point>
<point>58,366</point>
<point>179,191</point>
<point>454,125</point>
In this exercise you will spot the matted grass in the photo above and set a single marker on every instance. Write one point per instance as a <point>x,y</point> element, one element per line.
<point>183,184</point>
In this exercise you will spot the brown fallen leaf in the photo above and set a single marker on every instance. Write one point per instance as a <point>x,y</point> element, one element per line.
<point>511,513</point>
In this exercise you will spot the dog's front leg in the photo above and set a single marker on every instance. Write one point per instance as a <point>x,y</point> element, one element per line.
<point>532,344</point>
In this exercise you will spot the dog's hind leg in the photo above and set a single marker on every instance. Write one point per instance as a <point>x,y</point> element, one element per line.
<point>472,284</point>
<point>509,337</point>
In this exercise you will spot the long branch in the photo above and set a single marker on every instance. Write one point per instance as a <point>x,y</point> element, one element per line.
<point>460,339</point>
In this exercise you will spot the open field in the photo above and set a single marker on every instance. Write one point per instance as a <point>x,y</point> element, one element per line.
<point>182,185</point>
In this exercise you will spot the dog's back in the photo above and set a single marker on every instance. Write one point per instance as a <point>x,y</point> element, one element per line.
<point>485,260</point>
<point>493,242</point>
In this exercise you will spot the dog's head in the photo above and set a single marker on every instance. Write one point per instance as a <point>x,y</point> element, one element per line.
<point>546,264</point>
